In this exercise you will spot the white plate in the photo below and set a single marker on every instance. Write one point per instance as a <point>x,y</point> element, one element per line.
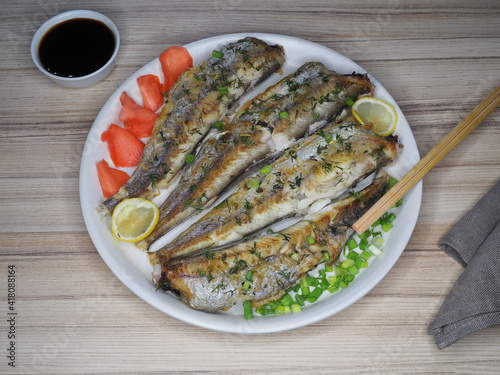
<point>131,266</point>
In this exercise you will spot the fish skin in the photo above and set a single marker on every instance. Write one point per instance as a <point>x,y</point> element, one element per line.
<point>212,281</point>
<point>311,95</point>
<point>193,105</point>
<point>307,172</point>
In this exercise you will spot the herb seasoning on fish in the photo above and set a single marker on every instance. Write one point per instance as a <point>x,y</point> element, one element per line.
<point>277,261</point>
<point>258,129</point>
<point>313,177</point>
<point>194,104</point>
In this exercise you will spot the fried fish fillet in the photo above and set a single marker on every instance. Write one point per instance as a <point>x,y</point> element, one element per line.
<point>213,280</point>
<point>267,123</point>
<point>324,165</point>
<point>200,97</point>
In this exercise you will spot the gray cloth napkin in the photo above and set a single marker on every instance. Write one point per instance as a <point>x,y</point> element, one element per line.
<point>474,301</point>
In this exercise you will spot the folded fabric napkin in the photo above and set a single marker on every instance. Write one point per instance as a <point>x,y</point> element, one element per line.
<point>474,301</point>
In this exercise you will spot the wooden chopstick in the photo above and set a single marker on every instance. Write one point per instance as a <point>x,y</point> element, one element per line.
<point>429,161</point>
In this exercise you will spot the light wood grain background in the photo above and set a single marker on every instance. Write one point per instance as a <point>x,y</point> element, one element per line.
<point>437,59</point>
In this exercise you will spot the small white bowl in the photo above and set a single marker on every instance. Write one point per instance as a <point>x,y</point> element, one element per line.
<point>88,79</point>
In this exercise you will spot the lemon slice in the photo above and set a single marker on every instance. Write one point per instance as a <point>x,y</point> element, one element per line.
<point>382,115</point>
<point>134,219</point>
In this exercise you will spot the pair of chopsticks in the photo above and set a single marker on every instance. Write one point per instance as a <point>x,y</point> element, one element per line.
<point>429,161</point>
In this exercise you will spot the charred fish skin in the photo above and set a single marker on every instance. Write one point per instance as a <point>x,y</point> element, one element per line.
<point>265,124</point>
<point>212,281</point>
<point>324,165</point>
<point>200,97</point>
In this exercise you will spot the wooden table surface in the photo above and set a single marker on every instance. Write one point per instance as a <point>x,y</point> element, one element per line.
<point>437,59</point>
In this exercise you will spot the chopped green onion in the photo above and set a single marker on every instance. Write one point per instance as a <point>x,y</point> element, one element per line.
<point>365,255</point>
<point>328,268</point>
<point>303,283</point>
<point>391,217</point>
<point>376,224</point>
<point>283,115</point>
<point>363,243</point>
<point>365,235</point>
<point>374,250</point>
<point>333,279</point>
<point>305,291</point>
<point>295,307</point>
<point>281,310</point>
<point>296,287</point>
<point>333,289</point>
<point>265,311</point>
<point>339,270</point>
<point>324,284</point>
<point>392,182</point>
<point>399,203</point>
<point>219,125</point>
<point>267,169</point>
<point>217,54</point>
<point>364,264</point>
<point>322,273</point>
<point>249,275</point>
<point>245,286</point>
<point>387,227</point>
<point>357,262</point>
<point>299,299</point>
<point>310,240</point>
<point>286,300</point>
<point>223,90</point>
<point>311,281</point>
<point>343,285</point>
<point>377,241</point>
<point>349,101</point>
<point>348,279</point>
<point>189,158</point>
<point>347,263</point>
<point>352,244</point>
<point>247,310</point>
<point>254,183</point>
<point>353,270</point>
<point>352,255</point>
<point>326,257</point>
<point>270,231</point>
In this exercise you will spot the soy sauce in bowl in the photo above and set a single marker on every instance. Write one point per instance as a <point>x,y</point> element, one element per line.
<point>76,47</point>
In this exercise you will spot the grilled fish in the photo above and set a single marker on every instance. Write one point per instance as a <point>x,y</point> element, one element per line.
<point>324,165</point>
<point>268,123</point>
<point>212,280</point>
<point>200,97</point>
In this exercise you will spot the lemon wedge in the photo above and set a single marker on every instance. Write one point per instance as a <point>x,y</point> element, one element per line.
<point>134,219</point>
<point>382,115</point>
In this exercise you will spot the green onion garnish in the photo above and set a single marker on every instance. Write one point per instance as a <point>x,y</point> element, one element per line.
<point>223,90</point>
<point>189,158</point>
<point>217,54</point>
<point>310,240</point>
<point>349,101</point>
<point>249,275</point>
<point>267,169</point>
<point>246,286</point>
<point>254,183</point>
<point>247,310</point>
<point>286,300</point>
<point>295,307</point>
<point>270,231</point>
<point>283,115</point>
<point>219,125</point>
<point>352,244</point>
<point>353,270</point>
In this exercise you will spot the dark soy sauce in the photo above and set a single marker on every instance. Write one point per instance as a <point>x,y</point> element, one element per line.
<point>76,47</point>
